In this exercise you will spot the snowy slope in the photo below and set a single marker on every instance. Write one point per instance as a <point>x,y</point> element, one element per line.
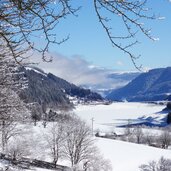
<point>126,156</point>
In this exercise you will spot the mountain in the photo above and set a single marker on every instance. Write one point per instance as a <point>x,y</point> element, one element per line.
<point>150,86</point>
<point>113,80</point>
<point>51,91</point>
<point>168,98</point>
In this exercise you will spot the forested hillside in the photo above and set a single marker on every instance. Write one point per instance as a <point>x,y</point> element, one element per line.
<point>151,86</point>
<point>51,91</point>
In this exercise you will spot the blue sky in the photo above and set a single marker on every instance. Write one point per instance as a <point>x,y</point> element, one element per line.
<point>89,41</point>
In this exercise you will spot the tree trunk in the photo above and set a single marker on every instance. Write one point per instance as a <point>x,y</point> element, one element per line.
<point>35,122</point>
<point>3,136</point>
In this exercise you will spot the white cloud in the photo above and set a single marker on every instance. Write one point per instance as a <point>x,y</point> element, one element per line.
<point>146,69</point>
<point>119,63</point>
<point>74,69</point>
<point>80,72</point>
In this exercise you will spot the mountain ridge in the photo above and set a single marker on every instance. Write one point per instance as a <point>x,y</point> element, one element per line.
<point>150,86</point>
<point>51,91</point>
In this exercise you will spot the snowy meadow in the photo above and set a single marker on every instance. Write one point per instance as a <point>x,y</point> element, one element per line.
<point>124,156</point>
<point>36,142</point>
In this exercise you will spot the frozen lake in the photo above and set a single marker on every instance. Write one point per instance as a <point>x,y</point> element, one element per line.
<point>107,117</point>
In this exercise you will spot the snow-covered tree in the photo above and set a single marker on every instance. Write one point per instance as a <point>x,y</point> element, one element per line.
<point>165,139</point>
<point>18,147</point>
<point>79,141</point>
<point>161,165</point>
<point>55,138</point>
<point>97,162</point>
<point>36,112</point>
<point>12,109</point>
<point>149,138</point>
<point>138,134</point>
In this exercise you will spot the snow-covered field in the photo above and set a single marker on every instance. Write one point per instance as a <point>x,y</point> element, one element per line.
<point>124,156</point>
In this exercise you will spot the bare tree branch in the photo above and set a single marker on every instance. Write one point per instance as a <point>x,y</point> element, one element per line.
<point>131,13</point>
<point>24,23</point>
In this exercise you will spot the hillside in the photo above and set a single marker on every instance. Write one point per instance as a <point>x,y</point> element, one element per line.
<point>123,155</point>
<point>51,91</point>
<point>107,118</point>
<point>151,86</point>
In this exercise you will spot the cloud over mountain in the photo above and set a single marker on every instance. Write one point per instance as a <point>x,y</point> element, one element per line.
<point>77,70</point>
<point>74,69</point>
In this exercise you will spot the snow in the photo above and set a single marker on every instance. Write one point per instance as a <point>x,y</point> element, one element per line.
<point>122,72</point>
<point>4,165</point>
<point>126,156</point>
<point>35,70</point>
<point>107,117</point>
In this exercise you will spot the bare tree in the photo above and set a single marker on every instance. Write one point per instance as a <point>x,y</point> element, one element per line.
<point>132,15</point>
<point>151,166</point>
<point>162,165</point>
<point>36,112</point>
<point>138,133</point>
<point>71,139</point>
<point>22,22</point>
<point>18,148</point>
<point>79,142</point>
<point>165,139</point>
<point>56,139</point>
<point>12,109</point>
<point>128,133</point>
<point>149,138</point>
<point>97,162</point>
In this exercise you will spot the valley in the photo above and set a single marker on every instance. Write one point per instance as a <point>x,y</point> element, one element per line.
<point>107,118</point>
<point>117,131</point>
